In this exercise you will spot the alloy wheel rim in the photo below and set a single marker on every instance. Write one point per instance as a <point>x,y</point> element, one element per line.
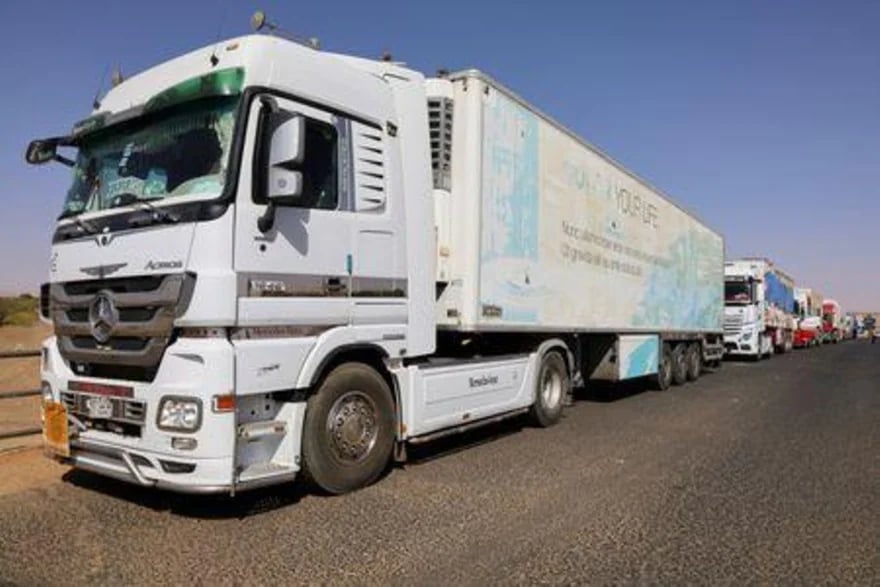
<point>353,426</point>
<point>551,388</point>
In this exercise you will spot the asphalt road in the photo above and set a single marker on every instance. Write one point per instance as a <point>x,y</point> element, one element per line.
<point>766,473</point>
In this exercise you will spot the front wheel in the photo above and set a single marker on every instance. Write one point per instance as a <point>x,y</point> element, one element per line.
<point>553,386</point>
<point>349,429</point>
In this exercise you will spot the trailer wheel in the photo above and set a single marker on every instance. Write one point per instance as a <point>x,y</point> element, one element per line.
<point>553,386</point>
<point>664,369</point>
<point>679,364</point>
<point>694,362</point>
<point>349,429</point>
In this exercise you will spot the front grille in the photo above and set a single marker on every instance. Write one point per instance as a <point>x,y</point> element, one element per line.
<point>141,283</point>
<point>733,324</point>
<point>109,371</point>
<point>144,311</point>
<point>125,314</point>
<point>119,343</point>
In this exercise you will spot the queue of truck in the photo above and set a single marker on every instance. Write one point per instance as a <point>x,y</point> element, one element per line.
<point>766,314</point>
<point>276,262</point>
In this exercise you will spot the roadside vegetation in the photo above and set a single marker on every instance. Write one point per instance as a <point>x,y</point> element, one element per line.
<point>19,310</point>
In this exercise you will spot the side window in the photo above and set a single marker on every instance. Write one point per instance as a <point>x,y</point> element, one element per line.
<point>320,166</point>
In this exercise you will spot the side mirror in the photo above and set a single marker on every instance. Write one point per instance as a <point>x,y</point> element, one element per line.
<point>41,151</point>
<point>285,186</point>
<point>284,149</point>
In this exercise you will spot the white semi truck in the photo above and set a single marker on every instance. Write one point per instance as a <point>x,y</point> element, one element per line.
<point>759,313</point>
<point>275,261</point>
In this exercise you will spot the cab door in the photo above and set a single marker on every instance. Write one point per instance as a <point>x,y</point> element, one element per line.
<point>298,272</point>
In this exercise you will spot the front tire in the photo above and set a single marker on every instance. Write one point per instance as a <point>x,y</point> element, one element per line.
<point>552,387</point>
<point>348,433</point>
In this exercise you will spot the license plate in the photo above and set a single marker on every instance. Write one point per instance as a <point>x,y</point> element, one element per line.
<point>99,407</point>
<point>56,434</point>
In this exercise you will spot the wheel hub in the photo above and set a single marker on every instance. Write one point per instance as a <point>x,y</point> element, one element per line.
<point>352,424</point>
<point>551,388</point>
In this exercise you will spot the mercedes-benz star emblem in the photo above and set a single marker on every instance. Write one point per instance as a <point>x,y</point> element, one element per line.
<point>103,316</point>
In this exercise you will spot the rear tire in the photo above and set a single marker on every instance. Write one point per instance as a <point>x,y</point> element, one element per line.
<point>664,369</point>
<point>349,430</point>
<point>551,388</point>
<point>679,364</point>
<point>694,362</point>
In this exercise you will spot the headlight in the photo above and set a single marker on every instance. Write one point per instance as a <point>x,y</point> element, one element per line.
<point>46,391</point>
<point>747,335</point>
<point>180,413</point>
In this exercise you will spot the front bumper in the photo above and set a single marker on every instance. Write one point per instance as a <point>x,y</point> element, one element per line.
<point>804,338</point>
<point>736,345</point>
<point>208,476</point>
<point>198,368</point>
<point>149,470</point>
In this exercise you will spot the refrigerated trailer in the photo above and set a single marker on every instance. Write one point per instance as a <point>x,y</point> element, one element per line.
<point>277,262</point>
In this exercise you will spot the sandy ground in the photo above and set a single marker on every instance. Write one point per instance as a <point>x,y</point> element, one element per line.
<point>23,337</point>
<point>32,469</point>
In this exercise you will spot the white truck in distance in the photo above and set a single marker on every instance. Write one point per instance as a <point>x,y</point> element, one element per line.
<point>759,309</point>
<point>277,262</point>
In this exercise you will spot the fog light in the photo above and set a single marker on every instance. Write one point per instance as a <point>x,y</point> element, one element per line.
<point>181,443</point>
<point>46,391</point>
<point>183,414</point>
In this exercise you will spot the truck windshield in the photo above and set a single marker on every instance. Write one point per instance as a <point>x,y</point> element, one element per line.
<point>180,152</point>
<point>737,292</point>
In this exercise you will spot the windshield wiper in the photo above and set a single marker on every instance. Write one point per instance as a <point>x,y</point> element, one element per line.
<point>83,226</point>
<point>158,214</point>
<point>155,214</point>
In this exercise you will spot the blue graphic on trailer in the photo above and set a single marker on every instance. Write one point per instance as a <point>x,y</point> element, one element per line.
<point>509,247</point>
<point>643,359</point>
<point>687,292</point>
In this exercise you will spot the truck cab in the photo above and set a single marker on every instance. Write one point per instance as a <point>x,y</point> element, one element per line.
<point>241,218</point>
<point>744,305</point>
<point>832,322</point>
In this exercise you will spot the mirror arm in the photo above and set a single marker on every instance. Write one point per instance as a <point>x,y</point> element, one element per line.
<point>64,160</point>
<point>267,220</point>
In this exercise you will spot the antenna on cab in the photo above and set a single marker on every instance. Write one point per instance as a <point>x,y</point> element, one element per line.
<point>260,22</point>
